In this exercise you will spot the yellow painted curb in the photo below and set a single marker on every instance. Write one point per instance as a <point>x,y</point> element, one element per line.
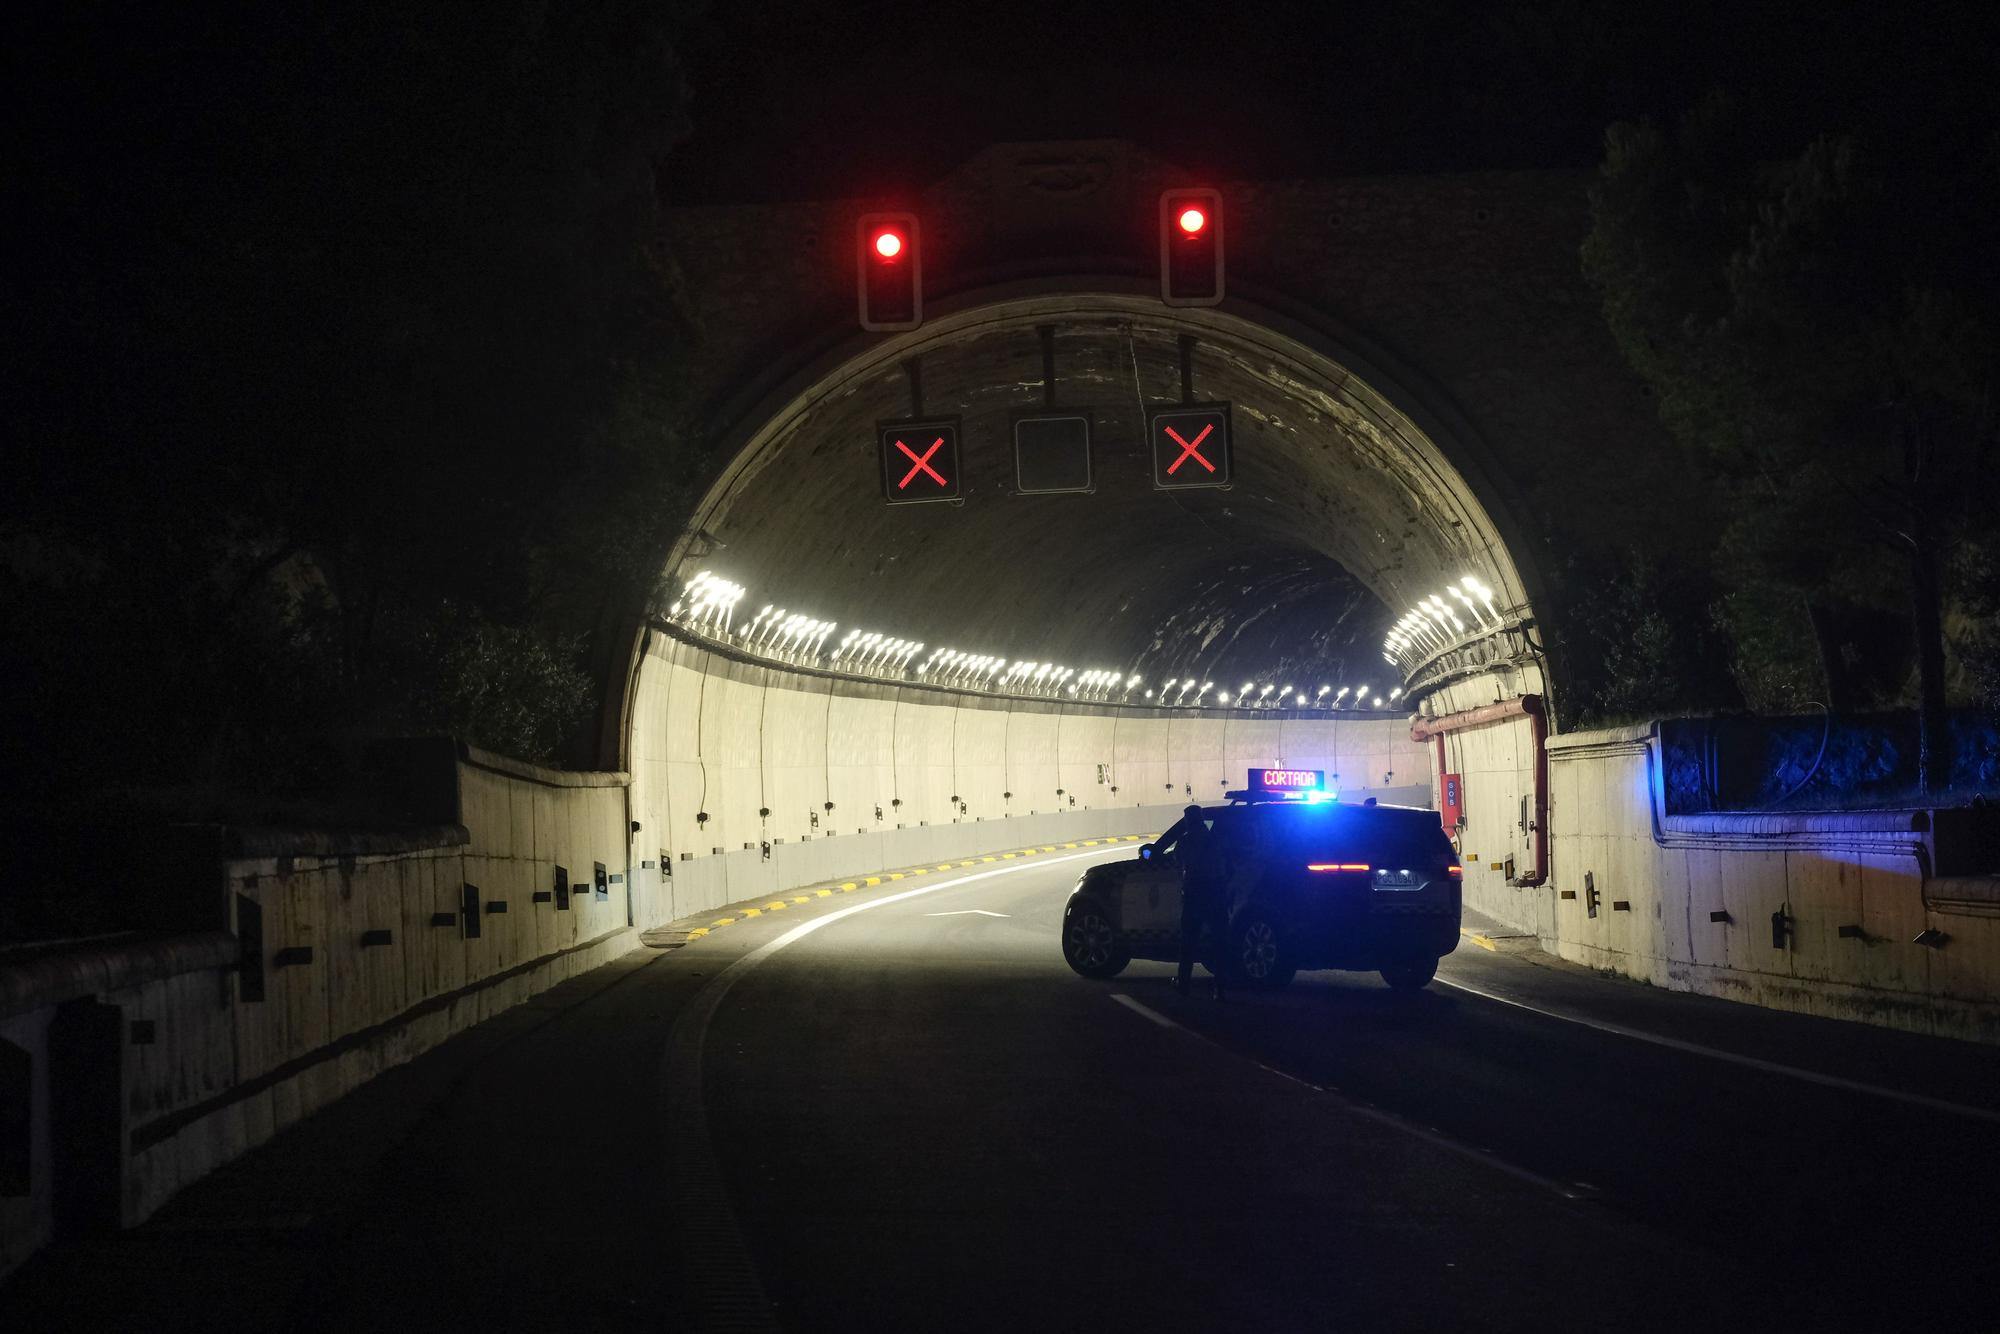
<point>1483,942</point>
<point>849,886</point>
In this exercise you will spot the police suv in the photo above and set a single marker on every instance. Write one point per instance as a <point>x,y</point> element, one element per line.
<point>1312,882</point>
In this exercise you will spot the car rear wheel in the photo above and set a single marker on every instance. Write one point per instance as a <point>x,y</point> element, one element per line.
<point>1090,942</point>
<point>1412,976</point>
<point>1260,958</point>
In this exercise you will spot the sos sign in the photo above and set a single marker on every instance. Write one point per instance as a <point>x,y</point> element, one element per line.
<point>1287,780</point>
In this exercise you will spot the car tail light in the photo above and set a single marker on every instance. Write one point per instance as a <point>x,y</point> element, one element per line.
<point>1455,872</point>
<point>1338,866</point>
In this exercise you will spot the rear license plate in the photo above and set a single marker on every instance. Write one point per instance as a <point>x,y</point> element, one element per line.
<point>1395,880</point>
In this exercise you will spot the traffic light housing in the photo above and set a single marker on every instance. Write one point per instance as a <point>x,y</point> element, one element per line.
<point>889,271</point>
<point>1191,247</point>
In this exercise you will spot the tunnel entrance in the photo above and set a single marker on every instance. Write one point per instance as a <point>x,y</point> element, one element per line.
<point>1363,555</point>
<point>1357,504</point>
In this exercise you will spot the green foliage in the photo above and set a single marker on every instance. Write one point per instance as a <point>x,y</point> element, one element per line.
<point>1974,629</point>
<point>353,402</point>
<point>1636,642</point>
<point>499,686</point>
<point>1819,325</point>
<point>1773,653</point>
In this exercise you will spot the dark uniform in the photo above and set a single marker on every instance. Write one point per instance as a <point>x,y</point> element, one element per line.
<point>1204,899</point>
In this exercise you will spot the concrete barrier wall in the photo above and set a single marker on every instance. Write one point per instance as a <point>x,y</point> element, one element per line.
<point>805,777</point>
<point>1687,902</point>
<point>223,1071</point>
<point>26,1207</point>
<point>364,944</point>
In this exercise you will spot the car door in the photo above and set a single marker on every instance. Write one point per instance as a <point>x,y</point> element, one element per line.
<point>1239,838</point>
<point>1151,907</point>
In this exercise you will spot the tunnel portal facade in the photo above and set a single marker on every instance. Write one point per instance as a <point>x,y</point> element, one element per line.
<point>1422,394</point>
<point>1424,402</point>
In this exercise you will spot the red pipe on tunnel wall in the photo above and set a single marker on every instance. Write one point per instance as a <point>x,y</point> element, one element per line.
<point>1530,707</point>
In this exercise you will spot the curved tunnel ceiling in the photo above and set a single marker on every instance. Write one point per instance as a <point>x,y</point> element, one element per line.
<point>1341,508</point>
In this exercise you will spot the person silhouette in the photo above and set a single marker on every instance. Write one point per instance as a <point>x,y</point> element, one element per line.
<point>1204,906</point>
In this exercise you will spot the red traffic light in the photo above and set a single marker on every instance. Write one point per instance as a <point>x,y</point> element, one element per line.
<point>889,271</point>
<point>1191,226</point>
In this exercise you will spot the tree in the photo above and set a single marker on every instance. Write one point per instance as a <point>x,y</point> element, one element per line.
<point>1820,327</point>
<point>343,390</point>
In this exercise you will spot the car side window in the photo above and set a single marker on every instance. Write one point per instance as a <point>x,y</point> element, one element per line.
<point>1236,838</point>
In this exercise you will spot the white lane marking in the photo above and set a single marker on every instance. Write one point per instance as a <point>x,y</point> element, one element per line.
<point>716,1263</point>
<point>1367,1111</point>
<point>804,929</point>
<point>966,912</point>
<point>1137,1008</point>
<point>1735,1058</point>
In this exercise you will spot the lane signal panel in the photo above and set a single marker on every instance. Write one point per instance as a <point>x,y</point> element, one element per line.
<point>1191,446</point>
<point>920,460</point>
<point>1052,453</point>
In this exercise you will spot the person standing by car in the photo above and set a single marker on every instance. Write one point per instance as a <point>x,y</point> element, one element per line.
<point>1204,903</point>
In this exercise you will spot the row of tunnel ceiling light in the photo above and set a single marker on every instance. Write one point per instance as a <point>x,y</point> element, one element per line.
<point>707,606</point>
<point>1434,624</point>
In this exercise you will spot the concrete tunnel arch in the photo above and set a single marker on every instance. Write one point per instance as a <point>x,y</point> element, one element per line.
<point>1342,469</point>
<point>1342,454</point>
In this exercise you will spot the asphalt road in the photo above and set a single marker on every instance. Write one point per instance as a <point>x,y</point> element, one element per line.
<point>898,1109</point>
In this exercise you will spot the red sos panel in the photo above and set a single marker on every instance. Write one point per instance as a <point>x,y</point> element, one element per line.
<point>1190,446</point>
<point>889,271</point>
<point>919,460</point>
<point>1451,809</point>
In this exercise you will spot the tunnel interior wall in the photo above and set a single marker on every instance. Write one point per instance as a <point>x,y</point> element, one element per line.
<point>728,738</point>
<point>1495,765</point>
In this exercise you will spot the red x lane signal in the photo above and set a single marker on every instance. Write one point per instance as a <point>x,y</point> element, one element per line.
<point>1190,446</point>
<point>1190,449</point>
<point>923,464</point>
<point>919,461</point>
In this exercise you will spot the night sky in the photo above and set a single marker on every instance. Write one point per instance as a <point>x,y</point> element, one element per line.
<point>792,100</point>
